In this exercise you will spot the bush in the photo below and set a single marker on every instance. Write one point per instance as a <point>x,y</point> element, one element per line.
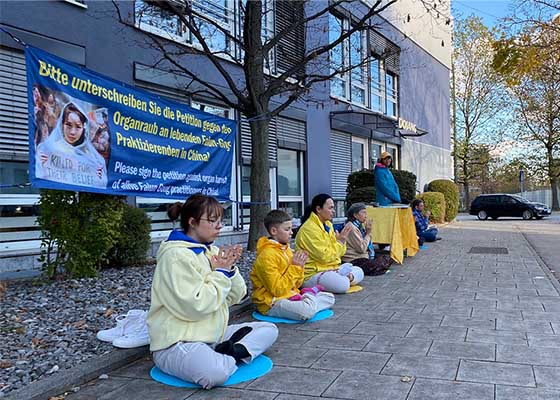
<point>435,203</point>
<point>77,231</point>
<point>361,195</point>
<point>450,192</point>
<point>360,179</point>
<point>406,181</point>
<point>131,247</point>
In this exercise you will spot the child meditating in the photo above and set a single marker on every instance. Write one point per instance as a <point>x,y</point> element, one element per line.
<point>194,284</point>
<point>277,274</point>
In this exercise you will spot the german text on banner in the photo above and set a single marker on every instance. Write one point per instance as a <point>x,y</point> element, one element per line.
<point>88,132</point>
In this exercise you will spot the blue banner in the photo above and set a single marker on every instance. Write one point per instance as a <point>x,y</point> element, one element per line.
<point>88,132</point>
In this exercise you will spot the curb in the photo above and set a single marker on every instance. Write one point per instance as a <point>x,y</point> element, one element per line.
<point>80,374</point>
<point>544,266</point>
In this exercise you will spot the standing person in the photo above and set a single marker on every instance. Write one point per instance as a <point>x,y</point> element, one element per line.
<point>424,232</point>
<point>324,247</point>
<point>278,273</point>
<point>386,189</point>
<point>359,249</point>
<point>193,286</point>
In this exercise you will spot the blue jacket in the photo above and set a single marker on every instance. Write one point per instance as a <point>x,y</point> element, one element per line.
<point>420,221</point>
<point>386,189</point>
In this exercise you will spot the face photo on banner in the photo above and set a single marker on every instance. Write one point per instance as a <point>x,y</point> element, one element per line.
<point>71,140</point>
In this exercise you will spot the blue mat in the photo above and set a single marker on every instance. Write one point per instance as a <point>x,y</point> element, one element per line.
<point>245,372</point>
<point>424,247</point>
<point>321,315</point>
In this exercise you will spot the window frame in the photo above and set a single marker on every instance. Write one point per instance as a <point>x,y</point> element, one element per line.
<point>294,198</point>
<point>365,152</point>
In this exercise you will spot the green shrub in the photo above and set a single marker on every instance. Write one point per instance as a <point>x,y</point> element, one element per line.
<point>435,203</point>
<point>361,195</point>
<point>360,179</point>
<point>406,181</point>
<point>77,231</point>
<point>131,247</point>
<point>450,192</point>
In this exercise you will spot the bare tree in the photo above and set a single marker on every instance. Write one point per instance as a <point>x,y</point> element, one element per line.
<point>251,87</point>
<point>479,99</point>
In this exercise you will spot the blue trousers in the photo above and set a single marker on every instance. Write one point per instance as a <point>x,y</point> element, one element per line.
<point>429,235</point>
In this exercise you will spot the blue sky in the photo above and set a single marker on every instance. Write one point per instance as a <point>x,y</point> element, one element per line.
<point>490,10</point>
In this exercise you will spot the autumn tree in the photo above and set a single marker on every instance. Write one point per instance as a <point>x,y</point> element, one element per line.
<point>531,66</point>
<point>251,87</point>
<point>480,100</point>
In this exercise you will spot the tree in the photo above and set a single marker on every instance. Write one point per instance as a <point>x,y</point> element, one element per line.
<point>252,90</point>
<point>480,100</point>
<point>532,71</point>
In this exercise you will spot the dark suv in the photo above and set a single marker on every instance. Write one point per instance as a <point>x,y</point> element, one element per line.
<point>507,205</point>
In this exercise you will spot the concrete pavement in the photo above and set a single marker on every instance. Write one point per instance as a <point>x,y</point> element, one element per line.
<point>476,316</point>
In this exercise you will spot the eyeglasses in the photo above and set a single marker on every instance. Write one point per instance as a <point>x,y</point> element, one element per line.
<point>213,222</point>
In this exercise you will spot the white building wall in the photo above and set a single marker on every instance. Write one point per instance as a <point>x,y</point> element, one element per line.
<point>426,162</point>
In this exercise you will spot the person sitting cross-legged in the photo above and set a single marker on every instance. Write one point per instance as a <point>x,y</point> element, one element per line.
<point>424,231</point>
<point>318,238</point>
<point>193,286</point>
<point>278,273</point>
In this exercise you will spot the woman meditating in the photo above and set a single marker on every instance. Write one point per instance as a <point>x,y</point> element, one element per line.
<point>359,249</point>
<point>193,286</point>
<point>324,247</point>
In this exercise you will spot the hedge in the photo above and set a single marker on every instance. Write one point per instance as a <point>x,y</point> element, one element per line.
<point>435,203</point>
<point>361,195</point>
<point>406,181</point>
<point>450,192</point>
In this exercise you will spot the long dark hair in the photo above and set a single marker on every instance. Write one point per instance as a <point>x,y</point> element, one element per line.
<point>195,207</point>
<point>318,201</point>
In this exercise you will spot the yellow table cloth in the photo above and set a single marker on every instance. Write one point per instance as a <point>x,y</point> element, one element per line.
<point>394,226</point>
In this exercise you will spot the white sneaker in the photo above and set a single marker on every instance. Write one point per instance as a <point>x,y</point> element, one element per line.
<point>137,335</point>
<point>124,324</point>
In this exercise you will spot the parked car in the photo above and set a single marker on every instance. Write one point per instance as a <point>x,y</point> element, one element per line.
<point>507,205</point>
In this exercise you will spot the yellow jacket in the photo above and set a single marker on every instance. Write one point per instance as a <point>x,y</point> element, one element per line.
<point>323,249</point>
<point>190,301</point>
<point>273,275</point>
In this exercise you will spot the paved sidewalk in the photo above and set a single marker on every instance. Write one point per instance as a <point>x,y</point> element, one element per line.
<point>448,325</point>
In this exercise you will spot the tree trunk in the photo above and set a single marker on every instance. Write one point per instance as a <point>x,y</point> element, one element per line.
<point>259,181</point>
<point>554,188</point>
<point>467,195</point>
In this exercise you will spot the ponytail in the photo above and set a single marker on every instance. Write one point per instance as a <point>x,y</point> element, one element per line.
<point>318,201</point>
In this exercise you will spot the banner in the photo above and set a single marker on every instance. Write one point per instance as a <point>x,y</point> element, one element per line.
<point>88,132</point>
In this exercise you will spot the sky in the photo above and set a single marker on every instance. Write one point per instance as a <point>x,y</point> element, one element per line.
<point>490,10</point>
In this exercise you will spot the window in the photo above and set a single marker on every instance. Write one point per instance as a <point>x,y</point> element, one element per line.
<point>359,153</point>
<point>290,182</point>
<point>358,76</point>
<point>391,94</point>
<point>375,87</point>
<point>394,155</point>
<point>225,14</point>
<point>339,84</point>
<point>16,174</point>
<point>375,152</point>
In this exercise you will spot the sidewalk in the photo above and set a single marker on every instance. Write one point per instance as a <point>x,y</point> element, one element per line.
<point>448,325</point>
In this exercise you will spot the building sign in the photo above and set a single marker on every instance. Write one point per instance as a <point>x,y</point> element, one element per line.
<point>407,125</point>
<point>90,133</point>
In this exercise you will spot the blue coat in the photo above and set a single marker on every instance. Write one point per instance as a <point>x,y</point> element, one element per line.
<point>386,189</point>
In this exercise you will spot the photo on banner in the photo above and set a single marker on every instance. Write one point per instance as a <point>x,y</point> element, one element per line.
<point>88,132</point>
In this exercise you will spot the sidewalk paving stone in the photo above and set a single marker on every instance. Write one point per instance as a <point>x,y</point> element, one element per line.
<point>230,394</point>
<point>421,366</point>
<point>547,377</point>
<point>291,380</point>
<point>519,393</point>
<point>528,355</point>
<point>432,389</point>
<point>438,332</point>
<point>497,373</point>
<point>398,345</point>
<point>292,356</point>
<point>466,322</point>
<point>474,351</point>
<point>352,360</point>
<point>340,341</point>
<point>496,337</point>
<point>363,385</point>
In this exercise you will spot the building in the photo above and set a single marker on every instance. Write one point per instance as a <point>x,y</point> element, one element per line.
<point>398,103</point>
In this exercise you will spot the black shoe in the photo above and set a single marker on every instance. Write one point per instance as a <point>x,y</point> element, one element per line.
<point>231,348</point>
<point>240,334</point>
<point>438,238</point>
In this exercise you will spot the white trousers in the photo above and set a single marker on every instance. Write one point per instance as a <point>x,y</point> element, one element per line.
<point>303,309</point>
<point>198,362</point>
<point>333,282</point>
